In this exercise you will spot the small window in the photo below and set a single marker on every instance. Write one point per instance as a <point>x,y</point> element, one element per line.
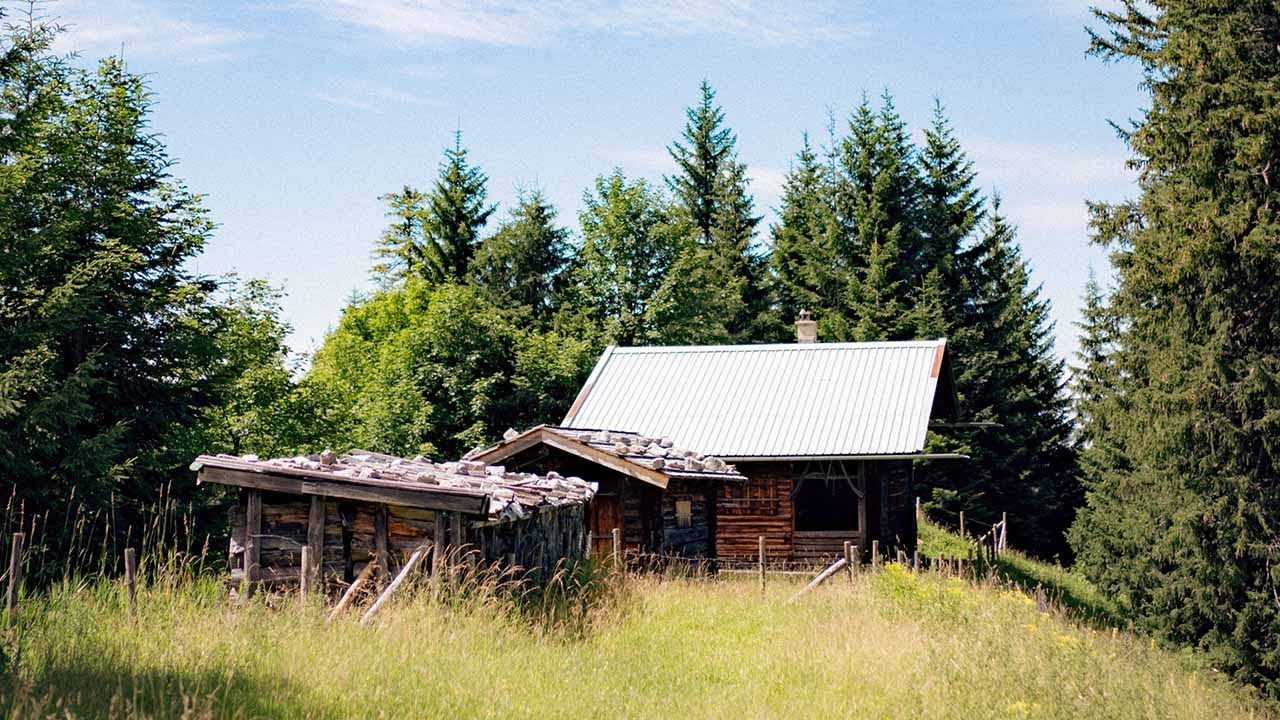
<point>684,513</point>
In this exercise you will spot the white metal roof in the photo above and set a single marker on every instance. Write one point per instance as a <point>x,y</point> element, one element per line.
<point>792,400</point>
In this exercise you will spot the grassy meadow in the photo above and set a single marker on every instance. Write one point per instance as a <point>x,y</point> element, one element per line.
<point>890,644</point>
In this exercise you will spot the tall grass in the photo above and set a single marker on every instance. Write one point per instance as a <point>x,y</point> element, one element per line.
<point>887,645</point>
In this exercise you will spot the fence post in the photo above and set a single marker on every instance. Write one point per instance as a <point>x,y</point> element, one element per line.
<point>962,524</point>
<point>1004,527</point>
<point>760,561</point>
<point>915,560</point>
<point>131,579</point>
<point>848,559</point>
<point>875,554</point>
<point>919,516</point>
<point>15,577</point>
<point>304,575</point>
<point>617,549</point>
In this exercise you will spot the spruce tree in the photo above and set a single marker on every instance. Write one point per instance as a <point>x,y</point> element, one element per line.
<point>701,161</point>
<point>804,262</point>
<point>876,197</point>
<point>1022,459</point>
<point>109,343</point>
<point>1181,514</point>
<point>711,188</point>
<point>456,212</point>
<point>524,263</point>
<point>402,250</point>
<point>951,208</point>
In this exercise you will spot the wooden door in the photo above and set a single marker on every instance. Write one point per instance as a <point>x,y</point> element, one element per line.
<point>603,515</point>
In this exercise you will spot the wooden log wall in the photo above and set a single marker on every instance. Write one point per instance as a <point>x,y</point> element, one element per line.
<point>538,542</point>
<point>694,540</point>
<point>897,529</point>
<point>761,506</point>
<point>285,526</point>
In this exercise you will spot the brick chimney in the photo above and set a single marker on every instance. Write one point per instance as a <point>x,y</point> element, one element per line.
<point>806,328</point>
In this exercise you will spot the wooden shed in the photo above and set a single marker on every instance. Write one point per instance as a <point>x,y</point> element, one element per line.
<point>356,508</point>
<point>827,435</point>
<point>661,496</point>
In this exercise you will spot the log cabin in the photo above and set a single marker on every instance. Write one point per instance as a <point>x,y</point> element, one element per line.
<point>826,435</point>
<point>661,496</point>
<point>362,507</point>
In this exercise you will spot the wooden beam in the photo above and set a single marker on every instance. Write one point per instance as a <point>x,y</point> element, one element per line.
<point>252,541</point>
<point>380,553</point>
<point>15,578</point>
<point>131,580</point>
<point>822,577</point>
<point>390,492</point>
<point>304,575</point>
<point>437,554</point>
<point>350,594</point>
<point>386,594</point>
<point>315,541</point>
<point>613,462</point>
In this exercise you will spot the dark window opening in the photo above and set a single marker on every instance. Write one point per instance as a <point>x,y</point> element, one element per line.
<point>825,503</point>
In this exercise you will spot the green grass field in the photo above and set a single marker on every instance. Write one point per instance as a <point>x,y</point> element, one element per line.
<point>888,645</point>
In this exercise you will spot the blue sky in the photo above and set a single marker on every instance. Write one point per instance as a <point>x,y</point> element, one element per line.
<point>293,116</point>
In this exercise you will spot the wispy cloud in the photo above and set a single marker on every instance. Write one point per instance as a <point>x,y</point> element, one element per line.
<point>346,101</point>
<point>1045,184</point>
<point>509,22</point>
<point>143,30</point>
<point>367,97</point>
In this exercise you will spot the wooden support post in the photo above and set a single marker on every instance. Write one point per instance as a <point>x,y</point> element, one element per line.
<point>848,559</point>
<point>617,549</point>
<point>380,553</point>
<point>131,579</point>
<point>1004,528</point>
<point>304,575</point>
<point>252,541</point>
<point>437,553</point>
<point>456,542</point>
<point>1042,603</point>
<point>760,560</point>
<point>386,594</point>
<point>315,542</point>
<point>915,560</point>
<point>919,515</point>
<point>875,554</point>
<point>962,524</point>
<point>350,594</point>
<point>15,578</point>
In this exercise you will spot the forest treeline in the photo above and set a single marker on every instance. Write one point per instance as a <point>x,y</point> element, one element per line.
<point>118,364</point>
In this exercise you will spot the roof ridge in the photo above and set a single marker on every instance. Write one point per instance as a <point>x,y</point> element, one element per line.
<point>806,347</point>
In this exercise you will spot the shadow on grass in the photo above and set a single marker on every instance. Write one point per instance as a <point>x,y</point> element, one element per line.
<point>1061,588</point>
<point>76,692</point>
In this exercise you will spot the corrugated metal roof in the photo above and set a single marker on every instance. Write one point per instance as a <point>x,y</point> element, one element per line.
<point>793,400</point>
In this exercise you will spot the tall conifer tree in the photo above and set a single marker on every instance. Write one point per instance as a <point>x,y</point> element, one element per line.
<point>1181,514</point>
<point>711,187</point>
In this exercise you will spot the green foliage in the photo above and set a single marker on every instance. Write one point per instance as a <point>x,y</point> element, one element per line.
<point>630,241</point>
<point>434,236</point>
<point>711,190</point>
<point>524,263</point>
<point>113,354</point>
<point>437,370</point>
<point>1183,367</point>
